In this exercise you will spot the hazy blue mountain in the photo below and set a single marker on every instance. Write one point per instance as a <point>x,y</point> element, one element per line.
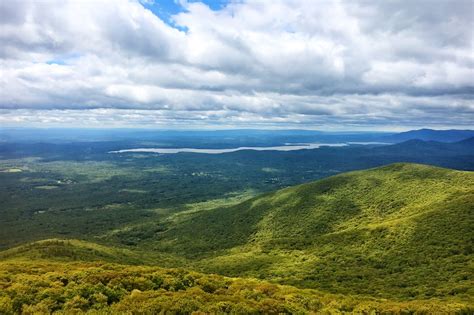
<point>431,135</point>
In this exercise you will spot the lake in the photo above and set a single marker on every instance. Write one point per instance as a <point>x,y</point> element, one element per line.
<point>287,147</point>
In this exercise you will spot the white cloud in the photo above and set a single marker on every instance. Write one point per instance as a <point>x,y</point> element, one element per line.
<point>298,62</point>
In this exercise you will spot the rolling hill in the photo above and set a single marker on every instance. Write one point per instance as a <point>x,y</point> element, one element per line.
<point>396,238</point>
<point>402,230</point>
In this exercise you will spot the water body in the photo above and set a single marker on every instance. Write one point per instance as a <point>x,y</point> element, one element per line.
<point>288,147</point>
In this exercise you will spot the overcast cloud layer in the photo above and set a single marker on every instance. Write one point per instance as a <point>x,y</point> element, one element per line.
<point>289,63</point>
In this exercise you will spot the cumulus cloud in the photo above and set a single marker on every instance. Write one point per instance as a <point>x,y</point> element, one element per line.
<point>306,63</point>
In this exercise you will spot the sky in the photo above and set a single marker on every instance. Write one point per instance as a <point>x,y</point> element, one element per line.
<point>307,64</point>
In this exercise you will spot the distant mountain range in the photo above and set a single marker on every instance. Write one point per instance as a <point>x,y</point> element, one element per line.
<point>431,135</point>
<point>220,138</point>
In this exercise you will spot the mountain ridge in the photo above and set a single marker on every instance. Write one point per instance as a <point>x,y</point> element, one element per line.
<point>452,135</point>
<point>368,220</point>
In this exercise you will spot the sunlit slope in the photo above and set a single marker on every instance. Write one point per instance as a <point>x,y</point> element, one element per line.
<point>402,230</point>
<point>40,287</point>
<point>72,250</point>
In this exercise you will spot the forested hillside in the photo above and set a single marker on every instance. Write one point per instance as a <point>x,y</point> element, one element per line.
<point>45,287</point>
<point>396,239</point>
<point>402,230</point>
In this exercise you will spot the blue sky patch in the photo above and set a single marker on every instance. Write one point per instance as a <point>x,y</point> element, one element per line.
<point>165,9</point>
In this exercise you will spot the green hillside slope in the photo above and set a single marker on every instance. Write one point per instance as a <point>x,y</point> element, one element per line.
<point>97,288</point>
<point>393,239</point>
<point>72,250</point>
<point>402,230</point>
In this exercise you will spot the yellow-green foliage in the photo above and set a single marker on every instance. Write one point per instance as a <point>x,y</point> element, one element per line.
<point>68,250</point>
<point>99,288</point>
<point>60,250</point>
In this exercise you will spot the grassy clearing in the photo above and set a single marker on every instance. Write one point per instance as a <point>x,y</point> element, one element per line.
<point>134,191</point>
<point>46,187</point>
<point>270,170</point>
<point>11,170</point>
